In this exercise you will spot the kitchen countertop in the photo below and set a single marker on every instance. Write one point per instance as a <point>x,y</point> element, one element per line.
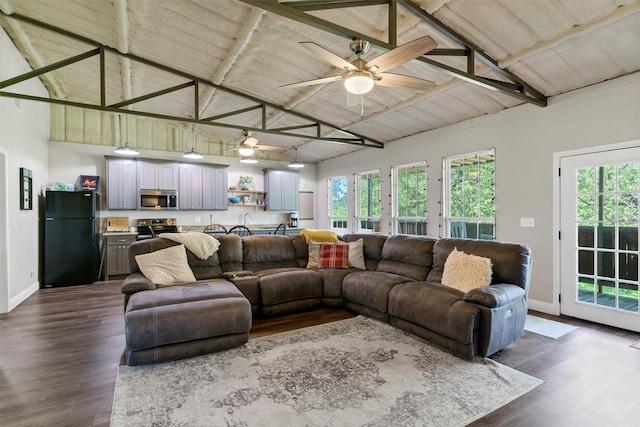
<point>120,233</point>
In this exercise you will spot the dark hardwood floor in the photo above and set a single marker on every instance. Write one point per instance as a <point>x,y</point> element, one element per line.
<point>60,351</point>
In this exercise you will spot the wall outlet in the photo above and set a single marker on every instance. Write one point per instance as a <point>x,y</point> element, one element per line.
<point>197,220</point>
<point>527,222</point>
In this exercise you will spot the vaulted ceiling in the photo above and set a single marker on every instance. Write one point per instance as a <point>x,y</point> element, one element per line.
<point>221,63</point>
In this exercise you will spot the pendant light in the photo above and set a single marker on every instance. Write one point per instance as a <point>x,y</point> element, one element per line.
<point>125,149</point>
<point>193,154</point>
<point>296,164</point>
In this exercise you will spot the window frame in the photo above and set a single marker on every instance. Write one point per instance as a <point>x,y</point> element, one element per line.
<point>369,219</point>
<point>420,222</point>
<point>485,227</point>
<point>330,205</point>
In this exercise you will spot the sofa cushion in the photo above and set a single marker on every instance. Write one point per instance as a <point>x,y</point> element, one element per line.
<point>281,285</point>
<point>372,244</point>
<point>511,261</point>
<point>370,288</point>
<point>202,269</point>
<point>356,254</point>
<point>435,307</point>
<point>466,272</point>
<point>409,256</point>
<point>333,256</point>
<point>166,266</point>
<point>265,252</point>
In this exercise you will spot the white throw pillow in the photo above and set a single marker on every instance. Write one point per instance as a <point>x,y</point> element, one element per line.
<point>466,272</point>
<point>356,254</point>
<point>166,266</point>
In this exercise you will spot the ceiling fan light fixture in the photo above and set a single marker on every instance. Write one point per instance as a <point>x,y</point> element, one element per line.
<point>245,151</point>
<point>358,82</point>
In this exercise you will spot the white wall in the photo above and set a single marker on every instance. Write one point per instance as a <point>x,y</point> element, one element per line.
<point>69,160</point>
<point>525,139</point>
<point>23,138</point>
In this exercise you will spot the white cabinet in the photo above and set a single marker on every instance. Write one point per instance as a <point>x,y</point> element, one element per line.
<point>214,188</point>
<point>158,176</point>
<point>122,189</point>
<point>282,190</point>
<point>202,187</point>
<point>190,194</point>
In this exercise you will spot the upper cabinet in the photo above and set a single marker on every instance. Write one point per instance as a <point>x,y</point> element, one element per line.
<point>282,190</point>
<point>214,188</point>
<point>122,188</point>
<point>158,176</point>
<point>203,187</point>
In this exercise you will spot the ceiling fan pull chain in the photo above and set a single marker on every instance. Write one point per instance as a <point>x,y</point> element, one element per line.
<point>361,105</point>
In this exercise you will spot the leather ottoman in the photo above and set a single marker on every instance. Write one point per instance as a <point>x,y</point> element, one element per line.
<point>187,320</point>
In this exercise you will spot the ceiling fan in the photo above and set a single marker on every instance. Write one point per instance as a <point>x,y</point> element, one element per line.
<point>249,146</point>
<point>360,76</point>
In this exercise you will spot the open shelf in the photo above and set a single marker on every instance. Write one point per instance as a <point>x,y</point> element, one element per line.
<point>256,198</point>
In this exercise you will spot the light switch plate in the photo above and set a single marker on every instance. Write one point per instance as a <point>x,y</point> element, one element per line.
<point>527,222</point>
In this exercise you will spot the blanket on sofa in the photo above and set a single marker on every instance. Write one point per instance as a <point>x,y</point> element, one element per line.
<point>201,244</point>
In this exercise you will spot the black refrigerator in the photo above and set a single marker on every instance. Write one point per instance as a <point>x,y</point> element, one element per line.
<point>71,247</point>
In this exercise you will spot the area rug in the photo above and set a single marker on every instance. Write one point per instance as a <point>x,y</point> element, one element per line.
<point>354,372</point>
<point>546,327</point>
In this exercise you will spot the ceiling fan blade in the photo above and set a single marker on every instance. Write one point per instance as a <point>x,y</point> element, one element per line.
<point>328,56</point>
<point>270,148</point>
<point>314,82</point>
<point>401,54</point>
<point>403,82</point>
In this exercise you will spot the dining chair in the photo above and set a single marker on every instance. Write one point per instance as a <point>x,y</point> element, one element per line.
<point>240,230</point>
<point>215,229</point>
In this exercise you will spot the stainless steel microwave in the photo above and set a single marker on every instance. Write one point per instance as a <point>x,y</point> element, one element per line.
<point>158,200</point>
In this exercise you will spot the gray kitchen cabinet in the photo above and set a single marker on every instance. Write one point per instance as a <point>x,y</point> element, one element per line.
<point>116,258</point>
<point>214,188</point>
<point>158,176</point>
<point>202,187</point>
<point>190,193</point>
<point>122,189</point>
<point>282,190</point>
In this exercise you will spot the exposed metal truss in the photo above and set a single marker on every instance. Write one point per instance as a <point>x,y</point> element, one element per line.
<point>515,87</point>
<point>102,51</point>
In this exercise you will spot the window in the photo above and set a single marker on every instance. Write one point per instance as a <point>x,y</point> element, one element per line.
<point>338,203</point>
<point>410,199</point>
<point>368,187</point>
<point>469,208</point>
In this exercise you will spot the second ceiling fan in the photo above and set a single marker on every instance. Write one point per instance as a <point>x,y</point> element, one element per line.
<point>360,75</point>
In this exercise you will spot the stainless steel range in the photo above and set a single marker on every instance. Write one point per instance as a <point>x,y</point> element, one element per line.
<point>149,228</point>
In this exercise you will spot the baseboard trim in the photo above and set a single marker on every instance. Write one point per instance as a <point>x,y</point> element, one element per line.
<point>543,307</point>
<point>18,299</point>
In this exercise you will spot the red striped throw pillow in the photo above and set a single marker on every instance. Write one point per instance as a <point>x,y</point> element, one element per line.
<point>333,256</point>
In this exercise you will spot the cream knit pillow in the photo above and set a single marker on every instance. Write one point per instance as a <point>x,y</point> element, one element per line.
<point>465,272</point>
<point>166,266</point>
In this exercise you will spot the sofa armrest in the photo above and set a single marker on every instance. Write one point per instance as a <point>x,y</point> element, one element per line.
<point>493,296</point>
<point>136,282</point>
<point>237,273</point>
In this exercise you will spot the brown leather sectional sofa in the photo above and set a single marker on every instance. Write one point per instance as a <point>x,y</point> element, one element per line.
<point>401,285</point>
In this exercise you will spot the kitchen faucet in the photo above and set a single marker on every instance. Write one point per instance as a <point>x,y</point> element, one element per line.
<point>245,222</point>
